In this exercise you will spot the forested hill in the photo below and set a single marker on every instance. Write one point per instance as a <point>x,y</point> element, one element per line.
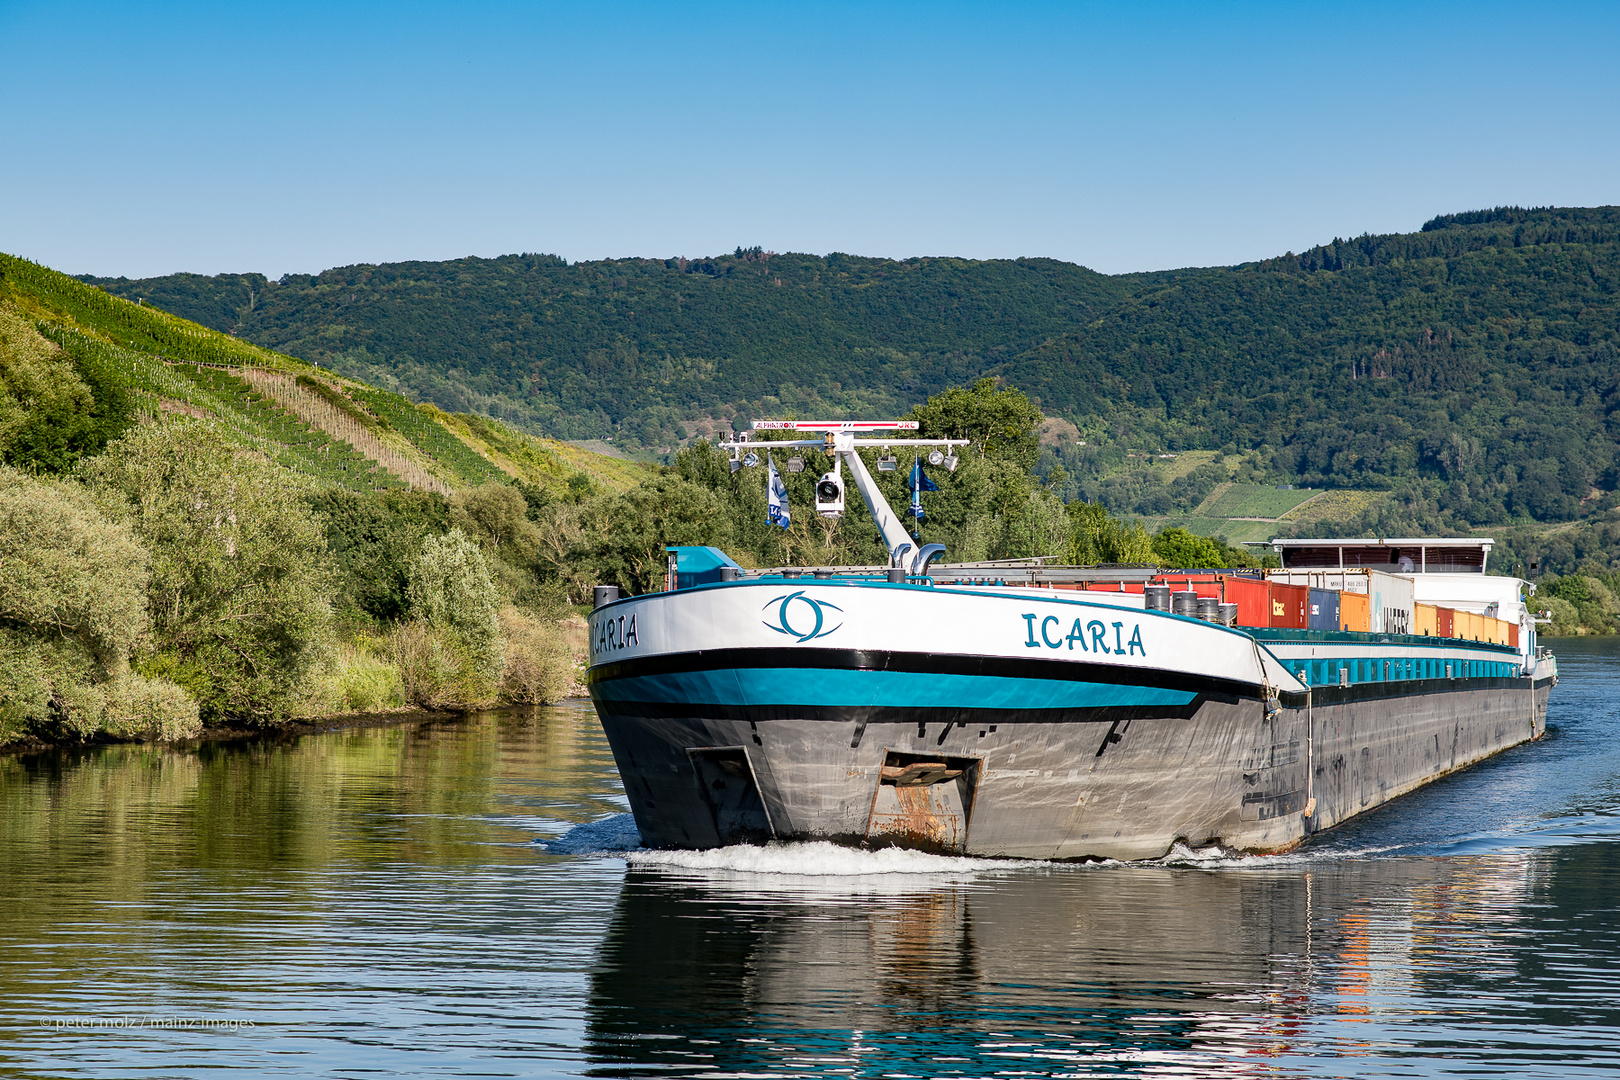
<point>635,348</point>
<point>1482,350</point>
<point>1474,361</point>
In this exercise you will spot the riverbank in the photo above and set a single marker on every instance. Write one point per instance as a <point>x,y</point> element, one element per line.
<point>33,743</point>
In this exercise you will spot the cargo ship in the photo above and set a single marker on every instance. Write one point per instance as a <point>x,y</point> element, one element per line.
<point>1025,710</point>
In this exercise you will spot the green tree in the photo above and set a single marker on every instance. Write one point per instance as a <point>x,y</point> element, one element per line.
<point>452,652</point>
<point>1584,604</point>
<point>1001,421</point>
<point>497,516</point>
<point>1096,538</point>
<point>451,590</point>
<point>623,537</point>
<point>72,609</point>
<point>54,407</point>
<point>1003,514</point>
<point>373,538</point>
<point>239,588</point>
<point>1182,550</point>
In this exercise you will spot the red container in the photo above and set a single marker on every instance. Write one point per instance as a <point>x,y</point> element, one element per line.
<point>1445,622</point>
<point>1290,605</point>
<point>1252,597</point>
<point>1201,583</point>
<point>1513,634</point>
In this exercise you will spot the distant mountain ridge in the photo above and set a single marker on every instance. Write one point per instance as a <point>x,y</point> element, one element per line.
<point>1474,360</point>
<point>631,348</point>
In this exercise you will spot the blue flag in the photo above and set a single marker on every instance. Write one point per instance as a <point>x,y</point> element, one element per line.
<point>776,503</point>
<point>919,484</point>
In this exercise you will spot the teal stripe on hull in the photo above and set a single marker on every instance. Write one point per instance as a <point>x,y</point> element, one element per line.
<point>843,688</point>
<point>1364,669</point>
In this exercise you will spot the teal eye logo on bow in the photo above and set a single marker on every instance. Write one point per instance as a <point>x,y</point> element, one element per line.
<point>800,617</point>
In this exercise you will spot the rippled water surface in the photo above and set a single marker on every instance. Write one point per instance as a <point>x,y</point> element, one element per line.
<point>457,899</point>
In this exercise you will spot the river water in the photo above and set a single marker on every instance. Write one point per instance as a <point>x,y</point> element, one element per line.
<point>455,899</point>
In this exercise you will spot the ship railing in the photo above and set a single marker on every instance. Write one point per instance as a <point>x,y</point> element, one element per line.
<point>1034,572</point>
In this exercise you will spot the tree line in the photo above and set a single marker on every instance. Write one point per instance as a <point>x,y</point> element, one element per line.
<point>1472,361</point>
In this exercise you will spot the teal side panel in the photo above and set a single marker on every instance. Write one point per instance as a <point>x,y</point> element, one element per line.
<point>902,689</point>
<point>698,565</point>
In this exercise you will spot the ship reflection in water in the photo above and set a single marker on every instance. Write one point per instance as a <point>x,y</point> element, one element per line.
<point>1253,966</point>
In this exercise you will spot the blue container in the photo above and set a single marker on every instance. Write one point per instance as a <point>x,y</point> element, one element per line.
<point>1322,610</point>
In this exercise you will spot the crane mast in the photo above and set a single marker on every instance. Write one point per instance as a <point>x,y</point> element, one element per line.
<point>842,440</point>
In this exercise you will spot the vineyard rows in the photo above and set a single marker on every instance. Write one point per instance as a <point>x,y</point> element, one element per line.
<point>315,410</point>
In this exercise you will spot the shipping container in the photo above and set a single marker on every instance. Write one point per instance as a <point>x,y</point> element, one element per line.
<point>1392,601</point>
<point>1341,580</point>
<point>1323,610</point>
<point>1445,621</point>
<point>1513,634</point>
<point>1202,582</point>
<point>1288,605</point>
<point>1252,597</point>
<point>1390,595</point>
<point>1355,611</point>
<point>1426,620</point>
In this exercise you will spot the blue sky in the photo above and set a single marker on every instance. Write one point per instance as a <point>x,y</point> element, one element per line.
<point>149,138</point>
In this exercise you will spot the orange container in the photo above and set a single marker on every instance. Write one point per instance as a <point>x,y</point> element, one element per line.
<point>1513,634</point>
<point>1252,597</point>
<point>1355,611</point>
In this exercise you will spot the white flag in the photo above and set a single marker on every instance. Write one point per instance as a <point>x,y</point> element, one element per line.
<point>776,496</point>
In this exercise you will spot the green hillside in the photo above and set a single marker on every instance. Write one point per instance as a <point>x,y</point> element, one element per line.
<point>196,531</point>
<point>1478,357</point>
<point>1253,501</point>
<point>334,429</point>
<point>1459,378</point>
<point>1473,362</point>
